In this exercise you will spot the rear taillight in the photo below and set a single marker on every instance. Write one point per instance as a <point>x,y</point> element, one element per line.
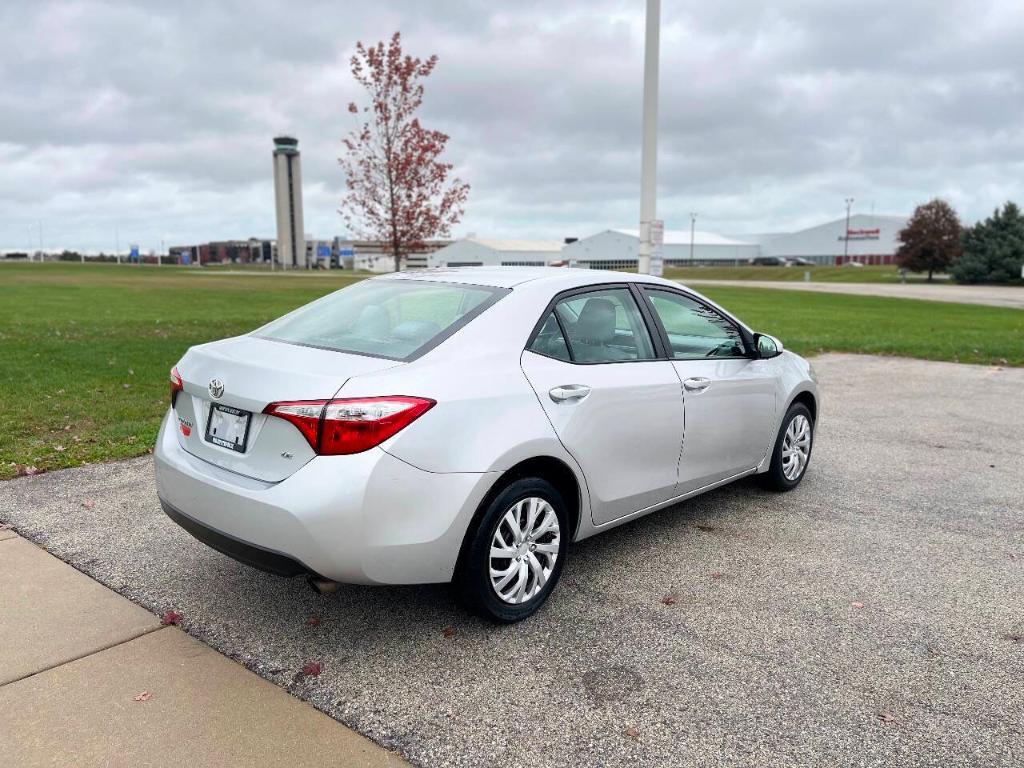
<point>176,384</point>
<point>352,425</point>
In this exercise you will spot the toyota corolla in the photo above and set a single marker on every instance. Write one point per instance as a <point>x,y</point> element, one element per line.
<point>468,425</point>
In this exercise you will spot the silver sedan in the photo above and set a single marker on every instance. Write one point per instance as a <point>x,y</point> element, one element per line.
<point>467,425</point>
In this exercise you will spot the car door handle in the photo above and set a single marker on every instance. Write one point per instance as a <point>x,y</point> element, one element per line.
<point>569,393</point>
<point>697,384</point>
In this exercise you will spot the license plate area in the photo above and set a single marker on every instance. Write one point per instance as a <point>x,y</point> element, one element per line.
<point>228,427</point>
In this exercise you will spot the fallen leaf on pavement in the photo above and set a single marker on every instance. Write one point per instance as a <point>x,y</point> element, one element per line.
<point>632,732</point>
<point>170,617</point>
<point>88,503</point>
<point>144,696</point>
<point>887,717</point>
<point>856,604</point>
<point>669,600</point>
<point>26,470</point>
<point>448,631</point>
<point>6,527</point>
<point>313,621</point>
<point>717,575</point>
<point>311,668</point>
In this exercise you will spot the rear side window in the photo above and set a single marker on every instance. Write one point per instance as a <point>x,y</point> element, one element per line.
<point>395,319</point>
<point>602,326</point>
<point>550,341</point>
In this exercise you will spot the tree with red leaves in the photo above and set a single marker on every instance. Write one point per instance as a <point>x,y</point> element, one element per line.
<point>399,190</point>
<point>931,240</point>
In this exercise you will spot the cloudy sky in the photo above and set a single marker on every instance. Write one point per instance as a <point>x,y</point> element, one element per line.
<point>153,120</point>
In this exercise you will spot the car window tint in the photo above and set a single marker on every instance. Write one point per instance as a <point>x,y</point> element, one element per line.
<point>550,341</point>
<point>386,318</point>
<point>605,327</point>
<point>695,331</point>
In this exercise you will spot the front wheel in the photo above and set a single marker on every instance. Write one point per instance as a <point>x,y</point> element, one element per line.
<point>792,452</point>
<point>516,554</point>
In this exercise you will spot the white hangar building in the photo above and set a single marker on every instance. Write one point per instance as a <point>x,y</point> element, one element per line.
<point>871,240</point>
<point>474,252</point>
<point>617,249</point>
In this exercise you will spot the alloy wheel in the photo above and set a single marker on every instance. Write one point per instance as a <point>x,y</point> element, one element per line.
<point>524,550</point>
<point>796,447</point>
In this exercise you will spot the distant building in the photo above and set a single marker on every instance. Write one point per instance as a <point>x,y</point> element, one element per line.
<point>870,239</point>
<point>477,252</point>
<point>248,251</point>
<point>291,246</point>
<point>375,255</point>
<point>617,249</point>
<point>319,253</point>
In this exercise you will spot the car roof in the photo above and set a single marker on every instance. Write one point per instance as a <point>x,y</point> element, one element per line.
<point>508,277</point>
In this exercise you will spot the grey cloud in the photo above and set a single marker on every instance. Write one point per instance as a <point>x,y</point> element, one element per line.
<point>157,117</point>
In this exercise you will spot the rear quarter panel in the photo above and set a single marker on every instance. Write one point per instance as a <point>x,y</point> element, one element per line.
<point>487,417</point>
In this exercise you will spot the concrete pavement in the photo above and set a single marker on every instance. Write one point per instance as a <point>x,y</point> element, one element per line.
<point>990,295</point>
<point>872,617</point>
<point>88,678</point>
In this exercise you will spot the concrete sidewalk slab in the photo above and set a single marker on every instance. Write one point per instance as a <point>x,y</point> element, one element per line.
<point>50,613</point>
<point>202,709</point>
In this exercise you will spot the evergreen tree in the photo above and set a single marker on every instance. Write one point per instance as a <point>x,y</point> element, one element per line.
<point>993,249</point>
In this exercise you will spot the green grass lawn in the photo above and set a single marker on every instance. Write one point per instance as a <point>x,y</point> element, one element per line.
<point>85,349</point>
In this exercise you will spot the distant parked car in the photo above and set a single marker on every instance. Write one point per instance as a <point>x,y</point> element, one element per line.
<point>799,261</point>
<point>768,261</point>
<point>466,425</point>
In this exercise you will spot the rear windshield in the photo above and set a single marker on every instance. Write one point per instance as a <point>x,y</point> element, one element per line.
<point>396,319</point>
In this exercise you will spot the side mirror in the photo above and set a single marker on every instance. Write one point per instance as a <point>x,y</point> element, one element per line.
<point>767,346</point>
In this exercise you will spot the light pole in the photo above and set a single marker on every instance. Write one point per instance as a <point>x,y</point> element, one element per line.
<point>693,225</point>
<point>649,151</point>
<point>846,236</point>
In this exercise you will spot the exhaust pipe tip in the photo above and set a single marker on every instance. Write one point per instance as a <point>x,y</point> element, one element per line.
<point>321,585</point>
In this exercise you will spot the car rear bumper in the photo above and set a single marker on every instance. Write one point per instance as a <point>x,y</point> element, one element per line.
<point>243,552</point>
<point>368,518</point>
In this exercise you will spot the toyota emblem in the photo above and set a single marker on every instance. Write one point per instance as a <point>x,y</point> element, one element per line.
<point>216,388</point>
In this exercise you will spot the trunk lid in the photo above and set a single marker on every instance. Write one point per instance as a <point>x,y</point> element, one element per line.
<point>248,373</point>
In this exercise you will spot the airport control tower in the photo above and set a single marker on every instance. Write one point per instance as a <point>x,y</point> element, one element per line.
<point>291,243</point>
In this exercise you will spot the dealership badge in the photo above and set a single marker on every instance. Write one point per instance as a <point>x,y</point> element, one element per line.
<point>216,388</point>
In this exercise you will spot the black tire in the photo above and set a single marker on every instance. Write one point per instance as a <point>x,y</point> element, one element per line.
<point>472,580</point>
<point>775,478</point>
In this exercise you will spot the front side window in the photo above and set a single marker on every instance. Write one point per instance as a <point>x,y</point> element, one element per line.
<point>602,327</point>
<point>695,331</point>
<point>396,319</point>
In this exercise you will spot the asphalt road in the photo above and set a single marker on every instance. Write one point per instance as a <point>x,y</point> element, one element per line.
<point>990,295</point>
<point>872,617</point>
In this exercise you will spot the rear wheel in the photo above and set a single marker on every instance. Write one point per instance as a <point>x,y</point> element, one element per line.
<point>792,452</point>
<point>516,553</point>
